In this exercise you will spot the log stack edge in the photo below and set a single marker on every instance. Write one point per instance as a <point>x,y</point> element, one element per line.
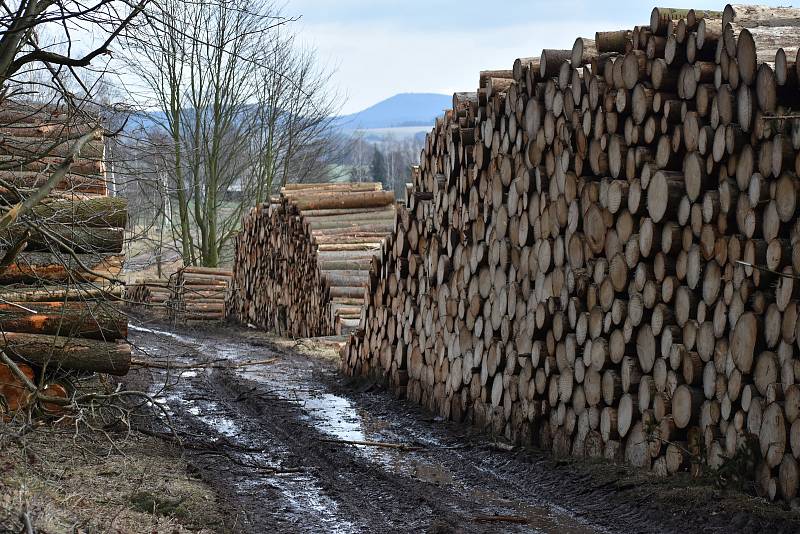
<point>199,293</point>
<point>302,262</point>
<point>57,313</point>
<point>600,249</point>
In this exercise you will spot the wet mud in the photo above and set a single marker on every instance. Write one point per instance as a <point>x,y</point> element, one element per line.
<point>290,446</point>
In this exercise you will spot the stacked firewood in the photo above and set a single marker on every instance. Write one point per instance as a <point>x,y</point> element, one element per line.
<point>58,263</point>
<point>198,293</point>
<point>302,262</point>
<point>150,294</point>
<point>600,251</point>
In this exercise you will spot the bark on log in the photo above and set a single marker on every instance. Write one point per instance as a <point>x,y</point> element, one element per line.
<point>51,267</point>
<point>354,200</point>
<point>71,319</point>
<point>68,353</point>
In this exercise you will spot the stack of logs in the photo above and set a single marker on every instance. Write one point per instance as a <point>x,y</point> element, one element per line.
<point>150,294</point>
<point>199,293</point>
<point>302,262</point>
<point>600,251</point>
<point>57,263</point>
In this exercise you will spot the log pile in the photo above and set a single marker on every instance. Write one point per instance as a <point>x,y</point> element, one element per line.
<point>198,294</point>
<point>58,261</point>
<point>302,262</point>
<point>150,294</point>
<point>600,251</point>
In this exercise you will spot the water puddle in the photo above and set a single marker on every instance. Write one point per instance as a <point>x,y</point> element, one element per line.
<point>212,417</point>
<point>228,352</point>
<point>165,333</point>
<point>340,419</point>
<point>306,497</point>
<point>335,416</point>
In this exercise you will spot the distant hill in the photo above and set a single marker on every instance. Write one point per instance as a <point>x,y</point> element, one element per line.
<point>402,115</point>
<point>402,110</point>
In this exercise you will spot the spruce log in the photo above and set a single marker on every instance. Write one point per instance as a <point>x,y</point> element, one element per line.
<point>63,237</point>
<point>68,353</point>
<point>59,267</point>
<point>338,200</point>
<point>95,320</point>
<point>100,212</point>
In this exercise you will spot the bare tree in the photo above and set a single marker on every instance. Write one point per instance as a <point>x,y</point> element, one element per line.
<point>360,152</point>
<point>22,22</point>
<point>295,116</point>
<point>243,108</point>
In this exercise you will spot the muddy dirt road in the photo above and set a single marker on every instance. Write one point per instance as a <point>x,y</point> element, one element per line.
<point>272,442</point>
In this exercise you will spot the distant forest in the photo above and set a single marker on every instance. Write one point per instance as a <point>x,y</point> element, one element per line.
<point>386,159</point>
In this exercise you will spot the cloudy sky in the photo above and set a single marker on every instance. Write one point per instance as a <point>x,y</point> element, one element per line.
<point>384,47</point>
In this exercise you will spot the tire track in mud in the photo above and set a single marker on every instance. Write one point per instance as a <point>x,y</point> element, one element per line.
<point>260,437</point>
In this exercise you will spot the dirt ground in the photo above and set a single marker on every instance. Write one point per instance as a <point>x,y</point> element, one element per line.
<point>290,446</point>
<point>285,461</point>
<point>68,478</point>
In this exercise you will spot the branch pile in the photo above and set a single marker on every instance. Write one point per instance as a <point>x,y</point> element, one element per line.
<point>301,263</point>
<point>600,251</point>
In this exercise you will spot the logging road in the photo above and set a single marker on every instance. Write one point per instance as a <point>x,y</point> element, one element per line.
<point>270,442</point>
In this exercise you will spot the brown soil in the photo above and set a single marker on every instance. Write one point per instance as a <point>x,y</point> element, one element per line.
<point>273,441</point>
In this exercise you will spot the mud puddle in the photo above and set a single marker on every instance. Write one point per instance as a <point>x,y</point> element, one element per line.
<point>292,402</point>
<point>340,418</point>
<point>291,447</point>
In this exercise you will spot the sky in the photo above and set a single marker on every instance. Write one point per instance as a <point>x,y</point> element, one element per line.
<point>379,48</point>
